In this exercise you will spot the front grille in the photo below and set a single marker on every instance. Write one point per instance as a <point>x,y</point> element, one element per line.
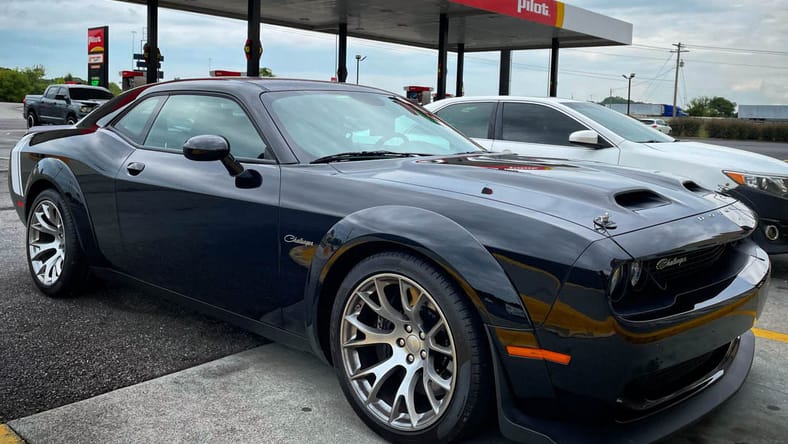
<point>675,283</point>
<point>685,264</point>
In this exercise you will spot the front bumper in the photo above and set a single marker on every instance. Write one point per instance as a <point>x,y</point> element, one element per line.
<point>772,212</point>
<point>631,380</point>
<point>518,426</point>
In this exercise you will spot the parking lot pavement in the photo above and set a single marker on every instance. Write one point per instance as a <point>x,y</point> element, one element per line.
<point>58,351</point>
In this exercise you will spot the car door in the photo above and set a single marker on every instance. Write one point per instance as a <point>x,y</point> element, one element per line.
<point>535,129</point>
<point>60,106</point>
<point>185,225</point>
<point>474,119</point>
<point>47,103</point>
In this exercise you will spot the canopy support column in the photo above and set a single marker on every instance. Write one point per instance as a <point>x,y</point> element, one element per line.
<point>443,37</point>
<point>253,34</point>
<point>460,69</point>
<point>342,56</point>
<point>554,69</point>
<point>152,73</point>
<point>504,78</point>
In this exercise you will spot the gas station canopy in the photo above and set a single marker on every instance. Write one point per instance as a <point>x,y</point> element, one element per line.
<point>446,25</point>
<point>478,24</point>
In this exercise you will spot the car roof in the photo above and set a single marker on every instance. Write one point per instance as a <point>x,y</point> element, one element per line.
<point>77,85</point>
<point>264,84</point>
<point>506,98</point>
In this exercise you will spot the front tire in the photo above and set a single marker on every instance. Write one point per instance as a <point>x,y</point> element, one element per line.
<point>54,257</point>
<point>409,350</point>
<point>71,120</point>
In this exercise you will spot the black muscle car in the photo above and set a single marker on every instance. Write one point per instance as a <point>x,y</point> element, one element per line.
<point>587,302</point>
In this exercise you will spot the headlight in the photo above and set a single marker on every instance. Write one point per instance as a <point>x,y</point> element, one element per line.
<point>85,109</point>
<point>771,184</point>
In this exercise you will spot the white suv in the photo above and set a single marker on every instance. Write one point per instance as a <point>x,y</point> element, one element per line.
<point>569,129</point>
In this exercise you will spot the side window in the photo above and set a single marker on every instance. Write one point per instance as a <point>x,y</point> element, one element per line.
<point>186,116</point>
<point>472,119</point>
<point>526,122</point>
<point>51,92</point>
<point>134,122</point>
<point>62,92</point>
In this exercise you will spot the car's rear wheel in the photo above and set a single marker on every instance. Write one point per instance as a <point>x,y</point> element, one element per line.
<point>409,350</point>
<point>32,120</point>
<point>54,256</point>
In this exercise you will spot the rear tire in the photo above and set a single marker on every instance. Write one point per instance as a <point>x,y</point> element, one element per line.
<point>415,364</point>
<point>55,258</point>
<point>32,119</point>
<point>71,120</point>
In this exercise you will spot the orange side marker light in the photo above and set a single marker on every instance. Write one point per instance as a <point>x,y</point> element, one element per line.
<point>538,353</point>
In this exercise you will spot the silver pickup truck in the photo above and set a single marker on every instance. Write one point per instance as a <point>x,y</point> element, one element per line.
<point>63,104</point>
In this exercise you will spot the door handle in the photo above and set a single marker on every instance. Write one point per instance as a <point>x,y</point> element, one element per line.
<point>135,168</point>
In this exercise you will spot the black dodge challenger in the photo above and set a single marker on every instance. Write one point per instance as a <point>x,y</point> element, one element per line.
<point>587,303</point>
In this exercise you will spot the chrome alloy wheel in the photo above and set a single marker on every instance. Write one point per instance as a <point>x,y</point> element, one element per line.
<point>398,351</point>
<point>46,242</point>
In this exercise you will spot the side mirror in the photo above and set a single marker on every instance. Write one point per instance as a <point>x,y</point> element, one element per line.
<point>62,97</point>
<point>585,137</point>
<point>208,148</point>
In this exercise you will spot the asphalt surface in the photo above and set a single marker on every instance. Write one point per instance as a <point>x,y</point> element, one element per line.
<point>55,352</point>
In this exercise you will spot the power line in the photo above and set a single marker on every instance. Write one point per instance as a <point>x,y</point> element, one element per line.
<point>739,50</point>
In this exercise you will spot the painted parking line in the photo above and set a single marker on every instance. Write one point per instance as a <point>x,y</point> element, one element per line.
<point>766,334</point>
<point>7,436</point>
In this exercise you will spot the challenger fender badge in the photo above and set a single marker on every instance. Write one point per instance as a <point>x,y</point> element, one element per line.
<point>291,239</point>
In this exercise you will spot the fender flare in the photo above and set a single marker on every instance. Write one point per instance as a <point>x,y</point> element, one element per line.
<point>441,240</point>
<point>53,172</point>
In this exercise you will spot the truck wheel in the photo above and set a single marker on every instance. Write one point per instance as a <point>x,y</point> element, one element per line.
<point>410,355</point>
<point>55,258</point>
<point>71,119</point>
<point>32,120</point>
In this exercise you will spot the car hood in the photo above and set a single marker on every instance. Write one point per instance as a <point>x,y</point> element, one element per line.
<point>724,158</point>
<point>579,192</point>
<point>91,102</point>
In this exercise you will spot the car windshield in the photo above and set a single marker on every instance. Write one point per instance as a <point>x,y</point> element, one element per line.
<point>621,124</point>
<point>89,94</point>
<point>323,123</point>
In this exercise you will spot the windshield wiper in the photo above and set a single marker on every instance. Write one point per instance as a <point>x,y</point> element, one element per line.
<point>364,155</point>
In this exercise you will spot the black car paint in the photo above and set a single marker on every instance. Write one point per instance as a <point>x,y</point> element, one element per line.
<point>528,255</point>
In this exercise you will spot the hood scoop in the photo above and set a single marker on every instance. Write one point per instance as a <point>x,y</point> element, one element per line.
<point>638,200</point>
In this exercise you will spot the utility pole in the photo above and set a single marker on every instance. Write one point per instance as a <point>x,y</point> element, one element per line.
<point>676,82</point>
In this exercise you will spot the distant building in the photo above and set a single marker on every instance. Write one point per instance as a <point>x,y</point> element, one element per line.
<point>647,109</point>
<point>764,112</point>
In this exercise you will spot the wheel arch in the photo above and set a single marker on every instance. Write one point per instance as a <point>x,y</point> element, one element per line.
<point>53,173</point>
<point>436,239</point>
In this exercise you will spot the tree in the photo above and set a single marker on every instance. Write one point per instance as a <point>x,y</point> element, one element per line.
<point>114,88</point>
<point>16,83</point>
<point>266,72</point>
<point>711,107</point>
<point>613,99</point>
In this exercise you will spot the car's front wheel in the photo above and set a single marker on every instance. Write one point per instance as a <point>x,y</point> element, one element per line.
<point>54,256</point>
<point>409,350</point>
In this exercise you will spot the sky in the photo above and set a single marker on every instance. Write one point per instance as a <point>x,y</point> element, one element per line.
<point>737,50</point>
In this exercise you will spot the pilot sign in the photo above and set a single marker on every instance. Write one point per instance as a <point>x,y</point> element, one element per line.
<point>98,56</point>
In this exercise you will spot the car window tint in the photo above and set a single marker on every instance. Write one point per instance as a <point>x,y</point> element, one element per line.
<point>51,92</point>
<point>472,119</point>
<point>526,122</point>
<point>186,116</point>
<point>133,124</point>
<point>62,92</point>
<point>90,94</point>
